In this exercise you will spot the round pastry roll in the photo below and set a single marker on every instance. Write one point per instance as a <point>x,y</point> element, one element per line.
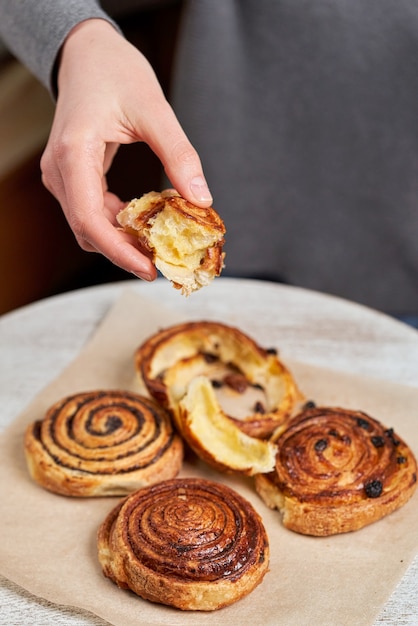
<point>225,392</point>
<point>188,543</point>
<point>184,241</point>
<point>252,386</point>
<point>336,471</point>
<point>102,443</point>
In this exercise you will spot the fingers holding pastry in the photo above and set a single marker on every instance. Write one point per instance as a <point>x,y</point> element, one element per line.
<point>115,100</point>
<point>184,241</point>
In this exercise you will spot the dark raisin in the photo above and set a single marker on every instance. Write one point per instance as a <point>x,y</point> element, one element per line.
<point>321,444</point>
<point>378,441</point>
<point>261,557</point>
<point>237,382</point>
<point>259,407</point>
<point>363,423</point>
<point>209,357</point>
<point>373,489</point>
<point>272,351</point>
<point>217,384</point>
<point>333,433</point>
<point>390,433</point>
<point>309,405</point>
<point>401,460</point>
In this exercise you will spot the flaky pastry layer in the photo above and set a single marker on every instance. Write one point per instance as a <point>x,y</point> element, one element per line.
<point>184,241</point>
<point>226,393</point>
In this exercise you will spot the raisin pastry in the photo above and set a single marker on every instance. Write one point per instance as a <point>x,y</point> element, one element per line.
<point>185,241</point>
<point>102,443</point>
<point>253,386</point>
<point>225,392</point>
<point>188,543</point>
<point>336,471</point>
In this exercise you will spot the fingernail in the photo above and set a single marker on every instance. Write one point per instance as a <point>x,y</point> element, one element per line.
<point>200,190</point>
<point>144,276</point>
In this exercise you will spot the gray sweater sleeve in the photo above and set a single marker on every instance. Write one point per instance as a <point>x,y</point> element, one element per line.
<point>34,30</point>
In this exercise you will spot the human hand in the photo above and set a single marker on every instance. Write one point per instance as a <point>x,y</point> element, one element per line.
<point>109,95</point>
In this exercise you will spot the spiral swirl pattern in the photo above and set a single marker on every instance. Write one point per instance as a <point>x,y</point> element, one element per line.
<point>101,436</point>
<point>337,470</point>
<point>336,454</point>
<point>183,534</point>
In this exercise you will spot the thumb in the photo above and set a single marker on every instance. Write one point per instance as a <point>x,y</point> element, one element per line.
<point>181,161</point>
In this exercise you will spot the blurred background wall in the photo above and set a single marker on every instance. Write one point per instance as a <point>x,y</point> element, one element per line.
<point>37,252</point>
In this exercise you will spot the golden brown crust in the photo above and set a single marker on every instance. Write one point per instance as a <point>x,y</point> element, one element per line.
<point>188,543</point>
<point>337,470</point>
<point>102,443</point>
<point>185,241</point>
<point>247,378</point>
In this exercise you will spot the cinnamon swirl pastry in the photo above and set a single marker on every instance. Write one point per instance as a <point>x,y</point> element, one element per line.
<point>102,443</point>
<point>336,471</point>
<point>185,241</point>
<point>188,543</point>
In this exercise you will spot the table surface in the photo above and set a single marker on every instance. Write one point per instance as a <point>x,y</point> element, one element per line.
<point>39,340</point>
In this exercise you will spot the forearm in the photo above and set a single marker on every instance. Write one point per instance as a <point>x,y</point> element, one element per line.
<point>34,30</point>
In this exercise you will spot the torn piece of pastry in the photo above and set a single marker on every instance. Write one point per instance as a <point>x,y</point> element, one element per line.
<point>336,471</point>
<point>185,241</point>
<point>252,386</point>
<point>217,440</point>
<point>189,543</point>
<point>102,443</point>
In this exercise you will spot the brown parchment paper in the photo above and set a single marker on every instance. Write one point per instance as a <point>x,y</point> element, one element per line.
<point>48,542</point>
